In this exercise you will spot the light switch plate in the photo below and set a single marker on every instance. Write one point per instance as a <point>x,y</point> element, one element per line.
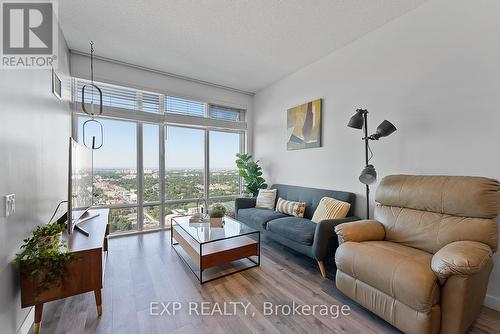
<point>10,205</point>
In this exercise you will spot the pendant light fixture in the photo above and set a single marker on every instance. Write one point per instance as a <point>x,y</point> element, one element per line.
<point>92,121</point>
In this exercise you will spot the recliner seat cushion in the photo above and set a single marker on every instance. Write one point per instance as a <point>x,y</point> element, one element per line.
<point>399,271</point>
<point>258,217</point>
<point>300,230</point>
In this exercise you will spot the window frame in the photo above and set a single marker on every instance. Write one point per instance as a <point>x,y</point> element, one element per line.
<point>162,119</point>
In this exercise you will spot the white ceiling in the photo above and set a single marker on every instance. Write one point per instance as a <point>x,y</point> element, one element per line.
<point>243,44</point>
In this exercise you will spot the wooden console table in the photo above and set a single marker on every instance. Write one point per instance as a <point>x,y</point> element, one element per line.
<point>84,273</point>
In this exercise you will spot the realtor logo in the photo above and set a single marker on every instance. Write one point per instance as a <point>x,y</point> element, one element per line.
<point>29,35</point>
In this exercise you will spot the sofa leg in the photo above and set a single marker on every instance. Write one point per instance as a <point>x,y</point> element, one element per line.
<point>322,268</point>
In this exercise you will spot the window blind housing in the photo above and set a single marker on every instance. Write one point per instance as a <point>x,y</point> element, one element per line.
<point>225,113</point>
<point>133,104</point>
<point>112,96</point>
<point>181,106</point>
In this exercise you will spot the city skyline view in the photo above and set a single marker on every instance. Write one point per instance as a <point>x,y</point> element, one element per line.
<point>184,147</point>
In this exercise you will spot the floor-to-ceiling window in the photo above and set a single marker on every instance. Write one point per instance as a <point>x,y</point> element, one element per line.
<point>161,155</point>
<point>224,179</point>
<point>184,169</point>
<point>115,171</point>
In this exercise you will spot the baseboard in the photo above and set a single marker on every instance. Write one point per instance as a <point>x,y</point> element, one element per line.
<point>492,302</point>
<point>26,326</point>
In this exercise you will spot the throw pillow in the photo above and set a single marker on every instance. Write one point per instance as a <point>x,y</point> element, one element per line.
<point>330,208</point>
<point>296,209</point>
<point>266,199</point>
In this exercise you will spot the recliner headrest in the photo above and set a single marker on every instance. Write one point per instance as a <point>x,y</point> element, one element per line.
<point>465,196</point>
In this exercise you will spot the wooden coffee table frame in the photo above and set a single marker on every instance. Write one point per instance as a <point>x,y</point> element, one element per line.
<point>214,253</point>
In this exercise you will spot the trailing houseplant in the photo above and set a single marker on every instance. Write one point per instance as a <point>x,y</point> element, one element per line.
<point>251,172</point>
<point>45,256</point>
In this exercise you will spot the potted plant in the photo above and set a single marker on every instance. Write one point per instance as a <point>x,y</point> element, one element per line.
<point>251,173</point>
<point>44,257</point>
<point>216,213</point>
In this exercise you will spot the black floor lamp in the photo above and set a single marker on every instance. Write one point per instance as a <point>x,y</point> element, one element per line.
<point>369,175</point>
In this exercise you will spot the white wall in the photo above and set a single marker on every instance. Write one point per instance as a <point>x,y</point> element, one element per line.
<point>34,131</point>
<point>433,72</point>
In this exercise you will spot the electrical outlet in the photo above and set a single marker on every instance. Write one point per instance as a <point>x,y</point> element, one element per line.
<point>10,205</point>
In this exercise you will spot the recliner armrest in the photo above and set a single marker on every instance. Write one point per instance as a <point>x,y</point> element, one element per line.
<point>244,203</point>
<point>324,237</point>
<point>361,230</point>
<point>460,258</point>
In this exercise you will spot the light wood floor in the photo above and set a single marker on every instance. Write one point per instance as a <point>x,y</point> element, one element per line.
<point>144,269</point>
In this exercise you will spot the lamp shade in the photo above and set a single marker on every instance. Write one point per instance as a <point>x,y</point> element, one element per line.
<point>383,130</point>
<point>368,175</point>
<point>357,120</point>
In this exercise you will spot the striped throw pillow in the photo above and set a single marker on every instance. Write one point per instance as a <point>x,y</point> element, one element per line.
<point>266,199</point>
<point>296,209</point>
<point>330,208</point>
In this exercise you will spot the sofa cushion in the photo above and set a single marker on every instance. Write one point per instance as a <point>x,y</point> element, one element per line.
<point>258,217</point>
<point>399,271</point>
<point>330,208</point>
<point>300,230</point>
<point>266,199</point>
<point>291,208</point>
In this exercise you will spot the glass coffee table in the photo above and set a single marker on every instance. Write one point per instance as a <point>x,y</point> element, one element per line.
<point>215,251</point>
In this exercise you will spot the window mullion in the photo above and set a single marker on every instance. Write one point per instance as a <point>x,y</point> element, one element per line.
<point>207,166</point>
<point>161,174</point>
<point>140,165</point>
<point>140,178</point>
<point>242,150</point>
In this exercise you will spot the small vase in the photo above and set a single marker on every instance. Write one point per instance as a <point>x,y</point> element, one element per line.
<point>216,222</point>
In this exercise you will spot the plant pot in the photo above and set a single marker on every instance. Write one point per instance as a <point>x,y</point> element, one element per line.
<point>216,221</point>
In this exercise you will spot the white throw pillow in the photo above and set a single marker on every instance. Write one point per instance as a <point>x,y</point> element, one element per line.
<point>330,208</point>
<point>266,199</point>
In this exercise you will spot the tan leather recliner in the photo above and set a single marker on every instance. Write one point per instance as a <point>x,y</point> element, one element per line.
<point>423,263</point>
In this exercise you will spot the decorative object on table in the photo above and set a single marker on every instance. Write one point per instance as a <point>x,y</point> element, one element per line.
<point>291,208</point>
<point>266,199</point>
<point>92,121</point>
<point>199,216</point>
<point>251,173</point>
<point>369,175</point>
<point>304,126</point>
<point>216,213</point>
<point>45,256</point>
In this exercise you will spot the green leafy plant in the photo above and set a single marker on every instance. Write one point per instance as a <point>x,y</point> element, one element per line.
<point>251,172</point>
<point>217,211</point>
<point>44,255</point>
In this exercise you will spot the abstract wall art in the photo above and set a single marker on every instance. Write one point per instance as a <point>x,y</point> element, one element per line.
<point>304,126</point>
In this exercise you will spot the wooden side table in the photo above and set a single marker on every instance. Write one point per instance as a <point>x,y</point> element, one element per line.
<point>84,273</point>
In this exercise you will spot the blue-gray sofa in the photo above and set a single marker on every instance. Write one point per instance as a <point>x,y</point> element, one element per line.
<point>318,241</point>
